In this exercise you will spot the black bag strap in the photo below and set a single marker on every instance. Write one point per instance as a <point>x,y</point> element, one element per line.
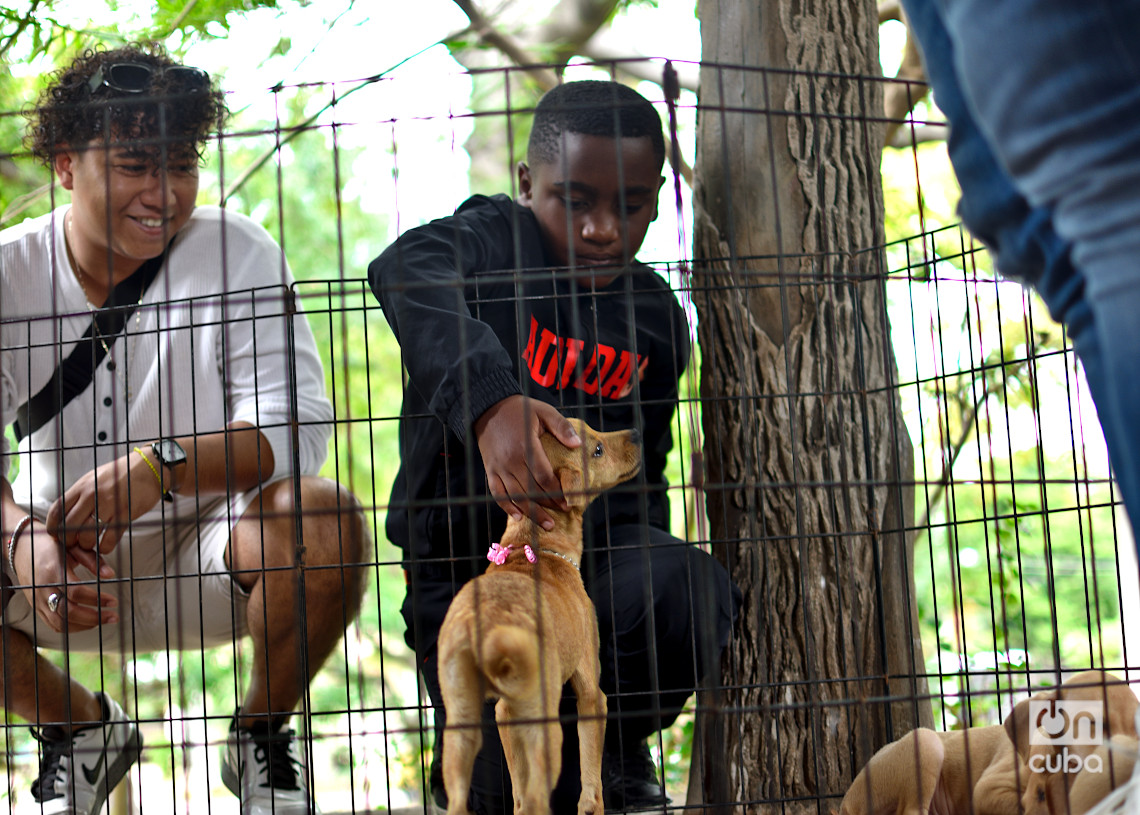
<point>77,372</point>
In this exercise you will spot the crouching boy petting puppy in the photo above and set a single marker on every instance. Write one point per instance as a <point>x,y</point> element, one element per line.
<point>510,314</point>
<point>169,438</point>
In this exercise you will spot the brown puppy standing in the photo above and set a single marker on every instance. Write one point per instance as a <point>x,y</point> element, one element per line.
<point>526,627</point>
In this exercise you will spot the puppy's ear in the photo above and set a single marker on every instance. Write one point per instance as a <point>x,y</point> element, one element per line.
<point>573,486</point>
<point>1017,723</point>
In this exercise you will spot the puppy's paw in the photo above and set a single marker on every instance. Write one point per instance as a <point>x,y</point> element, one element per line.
<point>591,804</point>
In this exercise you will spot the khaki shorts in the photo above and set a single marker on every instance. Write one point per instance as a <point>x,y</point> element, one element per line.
<point>173,587</point>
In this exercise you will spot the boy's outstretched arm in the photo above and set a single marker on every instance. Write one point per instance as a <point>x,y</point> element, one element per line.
<point>517,467</point>
<point>455,361</point>
<point>458,364</point>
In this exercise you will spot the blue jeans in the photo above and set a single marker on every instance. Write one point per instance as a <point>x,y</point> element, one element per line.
<point>1043,102</point>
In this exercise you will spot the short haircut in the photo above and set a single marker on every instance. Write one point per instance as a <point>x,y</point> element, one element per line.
<point>70,114</point>
<point>592,108</point>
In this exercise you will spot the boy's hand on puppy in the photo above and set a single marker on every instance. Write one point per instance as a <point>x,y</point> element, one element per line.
<point>517,467</point>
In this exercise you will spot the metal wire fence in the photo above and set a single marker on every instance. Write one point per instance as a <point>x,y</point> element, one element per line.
<point>1024,568</point>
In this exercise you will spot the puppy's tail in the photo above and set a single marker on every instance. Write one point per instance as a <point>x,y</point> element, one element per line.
<point>510,660</point>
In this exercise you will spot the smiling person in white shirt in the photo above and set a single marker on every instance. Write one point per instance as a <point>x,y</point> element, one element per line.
<point>169,405</point>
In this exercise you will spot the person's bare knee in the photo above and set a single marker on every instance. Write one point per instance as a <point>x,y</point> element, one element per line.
<point>265,537</point>
<point>334,528</point>
<point>333,534</point>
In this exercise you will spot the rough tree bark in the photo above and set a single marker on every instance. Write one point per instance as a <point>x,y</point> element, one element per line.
<point>808,462</point>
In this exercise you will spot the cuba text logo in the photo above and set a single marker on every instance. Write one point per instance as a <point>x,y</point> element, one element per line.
<point>1060,723</point>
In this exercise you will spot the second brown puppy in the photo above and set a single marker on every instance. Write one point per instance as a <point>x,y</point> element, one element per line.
<point>1045,787</point>
<point>939,773</point>
<point>523,629</point>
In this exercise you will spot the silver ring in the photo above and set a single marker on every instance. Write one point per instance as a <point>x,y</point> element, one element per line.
<point>53,601</point>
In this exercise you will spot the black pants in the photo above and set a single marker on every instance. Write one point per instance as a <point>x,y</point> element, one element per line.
<point>665,611</point>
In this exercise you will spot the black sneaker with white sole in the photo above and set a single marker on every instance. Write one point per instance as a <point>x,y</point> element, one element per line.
<point>79,768</point>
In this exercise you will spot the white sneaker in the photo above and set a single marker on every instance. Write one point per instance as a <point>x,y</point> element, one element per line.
<point>79,769</point>
<point>262,770</point>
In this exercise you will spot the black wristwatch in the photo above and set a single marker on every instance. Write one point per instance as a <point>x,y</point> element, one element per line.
<point>170,455</point>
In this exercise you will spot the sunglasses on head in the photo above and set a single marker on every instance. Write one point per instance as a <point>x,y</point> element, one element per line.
<point>136,77</point>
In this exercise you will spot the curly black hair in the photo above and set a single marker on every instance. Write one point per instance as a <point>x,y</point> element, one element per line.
<point>592,107</point>
<point>69,114</point>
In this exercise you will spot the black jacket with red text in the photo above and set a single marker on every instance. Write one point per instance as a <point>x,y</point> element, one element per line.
<point>480,315</point>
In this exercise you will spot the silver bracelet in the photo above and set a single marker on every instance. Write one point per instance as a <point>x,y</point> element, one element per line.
<point>27,519</point>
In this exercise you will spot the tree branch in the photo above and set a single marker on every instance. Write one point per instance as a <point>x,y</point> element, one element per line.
<point>967,429</point>
<point>597,14</point>
<point>25,202</point>
<point>182,15</point>
<point>907,137</point>
<point>290,133</point>
<point>23,22</point>
<point>480,25</point>
<point>573,23</point>
<point>637,69</point>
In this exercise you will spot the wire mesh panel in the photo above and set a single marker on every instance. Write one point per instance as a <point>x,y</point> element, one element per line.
<point>1019,492</point>
<point>950,495</point>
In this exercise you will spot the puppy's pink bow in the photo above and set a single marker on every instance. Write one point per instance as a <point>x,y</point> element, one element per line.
<point>498,554</point>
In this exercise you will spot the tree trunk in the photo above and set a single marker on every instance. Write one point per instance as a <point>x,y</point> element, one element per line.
<point>809,465</point>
